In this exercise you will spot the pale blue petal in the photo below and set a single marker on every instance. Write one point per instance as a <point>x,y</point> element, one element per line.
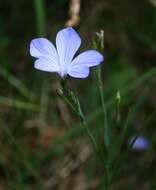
<point>88,58</point>
<point>78,71</point>
<point>67,43</point>
<point>45,64</point>
<point>41,47</point>
<point>141,143</point>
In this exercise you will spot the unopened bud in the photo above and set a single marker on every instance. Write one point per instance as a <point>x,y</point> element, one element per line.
<point>59,92</point>
<point>118,97</point>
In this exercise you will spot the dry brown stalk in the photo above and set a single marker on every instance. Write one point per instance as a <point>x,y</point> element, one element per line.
<point>74,10</point>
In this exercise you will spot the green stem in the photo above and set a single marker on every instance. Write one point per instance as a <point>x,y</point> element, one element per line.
<point>40,17</point>
<point>90,135</point>
<point>106,128</point>
<point>73,101</point>
<point>106,131</point>
<point>41,31</point>
<point>67,101</point>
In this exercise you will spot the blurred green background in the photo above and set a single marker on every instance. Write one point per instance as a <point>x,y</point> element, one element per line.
<point>42,142</point>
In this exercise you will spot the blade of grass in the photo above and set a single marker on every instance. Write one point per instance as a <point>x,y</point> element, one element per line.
<point>18,84</point>
<point>41,31</point>
<point>106,127</point>
<point>21,153</point>
<point>9,102</point>
<point>40,17</point>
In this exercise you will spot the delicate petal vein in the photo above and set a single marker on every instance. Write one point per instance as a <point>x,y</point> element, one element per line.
<point>67,43</point>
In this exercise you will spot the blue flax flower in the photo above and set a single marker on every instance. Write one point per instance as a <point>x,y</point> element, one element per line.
<point>141,143</point>
<point>61,59</point>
